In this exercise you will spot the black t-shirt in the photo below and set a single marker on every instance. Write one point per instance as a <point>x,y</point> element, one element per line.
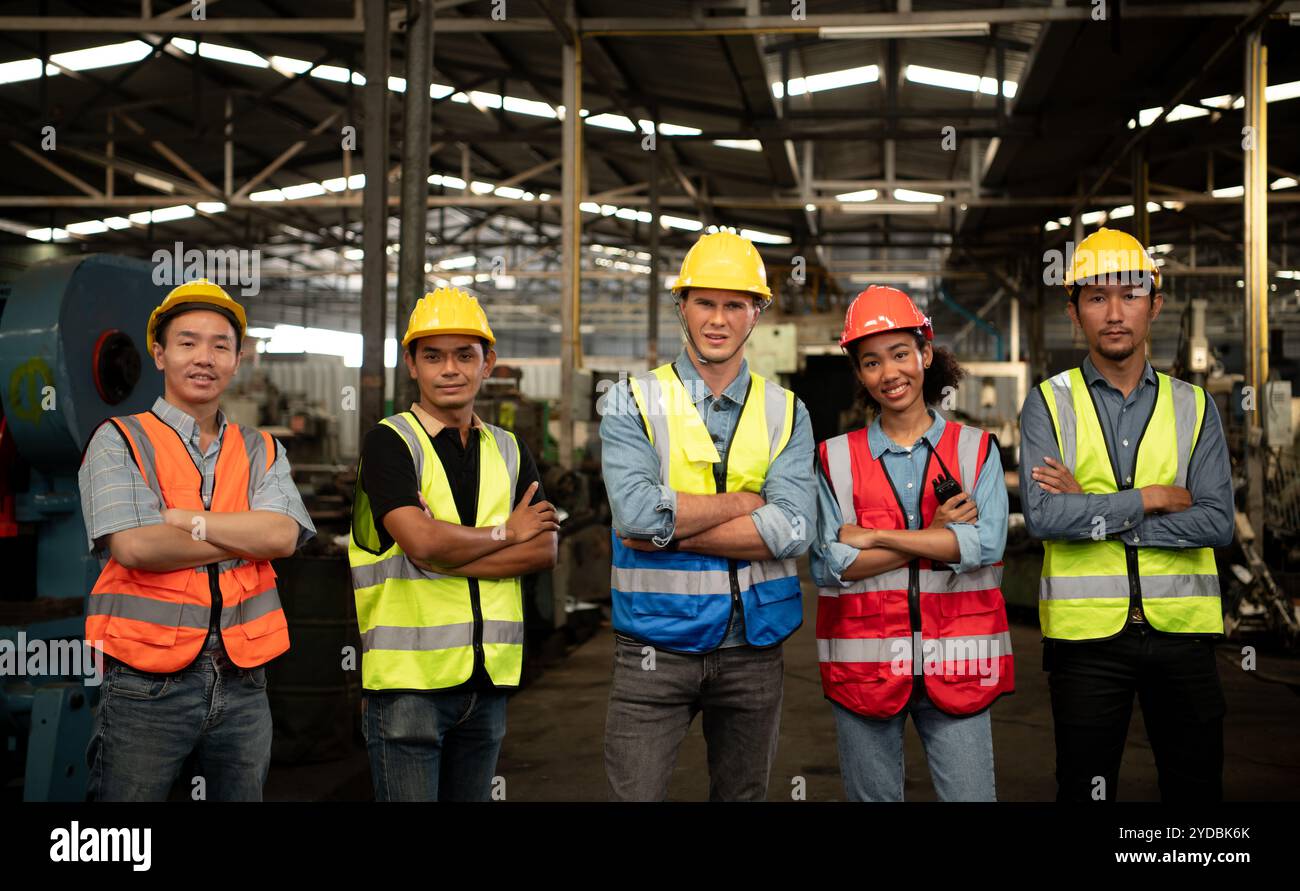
<point>389,480</point>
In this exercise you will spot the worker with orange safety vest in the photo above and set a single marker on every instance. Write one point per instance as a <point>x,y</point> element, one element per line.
<point>187,509</point>
<point>908,562</point>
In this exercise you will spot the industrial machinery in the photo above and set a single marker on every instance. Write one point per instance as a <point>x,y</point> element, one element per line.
<point>71,341</point>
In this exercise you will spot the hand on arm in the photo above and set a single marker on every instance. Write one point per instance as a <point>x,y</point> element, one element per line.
<point>1051,512</point>
<point>1057,479</point>
<point>444,544</point>
<point>534,555</point>
<point>934,544</point>
<point>700,513</point>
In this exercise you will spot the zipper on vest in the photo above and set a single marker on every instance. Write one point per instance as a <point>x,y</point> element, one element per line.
<point>213,569</point>
<point>720,485</point>
<point>476,606</point>
<point>913,566</point>
<point>1130,551</point>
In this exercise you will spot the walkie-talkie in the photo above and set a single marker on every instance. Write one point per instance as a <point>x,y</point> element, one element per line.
<point>945,487</point>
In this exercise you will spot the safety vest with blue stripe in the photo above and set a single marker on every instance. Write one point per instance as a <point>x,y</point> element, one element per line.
<point>684,601</point>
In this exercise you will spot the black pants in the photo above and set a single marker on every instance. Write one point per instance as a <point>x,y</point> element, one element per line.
<point>1177,682</point>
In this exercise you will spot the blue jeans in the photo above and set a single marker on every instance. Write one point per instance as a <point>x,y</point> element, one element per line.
<point>146,725</point>
<point>433,746</point>
<point>959,750</point>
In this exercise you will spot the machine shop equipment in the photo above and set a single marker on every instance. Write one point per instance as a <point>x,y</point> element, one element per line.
<point>71,355</point>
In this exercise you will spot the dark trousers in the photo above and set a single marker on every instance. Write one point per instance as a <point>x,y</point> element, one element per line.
<point>1176,680</point>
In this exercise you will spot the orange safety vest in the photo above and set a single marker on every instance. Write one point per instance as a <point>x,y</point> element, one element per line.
<point>157,621</point>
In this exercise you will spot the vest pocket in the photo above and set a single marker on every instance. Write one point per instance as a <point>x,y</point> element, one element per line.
<point>687,606</point>
<point>969,603</point>
<point>867,603</point>
<point>259,614</point>
<point>144,619</point>
<point>858,672</point>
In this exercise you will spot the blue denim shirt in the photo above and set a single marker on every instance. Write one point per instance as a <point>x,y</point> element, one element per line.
<point>645,508</point>
<point>981,542</point>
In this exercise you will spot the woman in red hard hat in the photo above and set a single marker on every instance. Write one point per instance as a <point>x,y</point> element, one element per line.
<point>912,523</point>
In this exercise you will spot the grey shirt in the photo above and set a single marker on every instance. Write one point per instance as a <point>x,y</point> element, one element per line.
<point>1207,523</point>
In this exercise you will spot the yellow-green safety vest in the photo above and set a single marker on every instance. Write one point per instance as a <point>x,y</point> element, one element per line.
<point>417,627</point>
<point>1086,585</point>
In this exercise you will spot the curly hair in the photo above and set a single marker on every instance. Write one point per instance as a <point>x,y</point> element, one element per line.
<point>944,372</point>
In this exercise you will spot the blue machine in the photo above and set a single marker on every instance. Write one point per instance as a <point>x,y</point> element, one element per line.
<point>71,355</point>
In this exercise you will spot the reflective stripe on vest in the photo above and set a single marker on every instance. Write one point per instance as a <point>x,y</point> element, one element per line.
<point>866,644</point>
<point>157,621</point>
<point>1084,593</point>
<point>683,601</point>
<point>417,627</point>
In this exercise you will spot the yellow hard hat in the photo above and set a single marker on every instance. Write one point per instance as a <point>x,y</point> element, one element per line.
<point>447,311</point>
<point>203,294</point>
<point>1108,252</point>
<point>725,260</point>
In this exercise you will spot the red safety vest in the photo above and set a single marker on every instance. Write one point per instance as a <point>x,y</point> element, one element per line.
<point>868,632</point>
<point>157,621</point>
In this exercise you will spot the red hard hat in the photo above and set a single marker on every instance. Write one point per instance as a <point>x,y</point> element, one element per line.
<point>879,309</point>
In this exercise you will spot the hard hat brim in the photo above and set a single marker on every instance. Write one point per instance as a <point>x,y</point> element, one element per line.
<point>156,320</point>
<point>432,332</point>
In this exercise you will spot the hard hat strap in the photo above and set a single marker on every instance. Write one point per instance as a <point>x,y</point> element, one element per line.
<point>686,332</point>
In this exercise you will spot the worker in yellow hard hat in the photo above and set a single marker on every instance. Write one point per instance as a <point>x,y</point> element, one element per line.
<point>720,262</point>
<point>166,492</point>
<point>709,469</point>
<point>449,513</point>
<point>1125,478</point>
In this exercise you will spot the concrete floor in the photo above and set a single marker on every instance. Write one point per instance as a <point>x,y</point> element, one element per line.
<point>553,748</point>
<point>554,743</point>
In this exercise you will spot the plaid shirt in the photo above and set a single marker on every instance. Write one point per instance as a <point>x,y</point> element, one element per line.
<point>114,495</point>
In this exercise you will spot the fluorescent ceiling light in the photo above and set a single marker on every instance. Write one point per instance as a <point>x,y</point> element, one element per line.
<point>680,223</point>
<point>23,69</point>
<point>231,54</point>
<point>1275,93</point>
<point>831,80</point>
<point>289,67</point>
<point>760,237</point>
<point>896,207</point>
<point>861,195</point>
<point>302,190</point>
<point>912,195</point>
<point>955,80</point>
<point>670,129</point>
<point>463,262</point>
<point>103,56</point>
<point>971,29</point>
<point>89,227</point>
<point>745,145</point>
<point>1229,192</point>
<point>528,106</point>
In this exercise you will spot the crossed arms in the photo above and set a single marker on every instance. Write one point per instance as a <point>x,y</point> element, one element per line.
<point>526,542</point>
<point>736,525</point>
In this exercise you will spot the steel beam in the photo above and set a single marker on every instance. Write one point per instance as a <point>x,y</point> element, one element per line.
<point>415,174</point>
<point>1255,207</point>
<point>374,215</point>
<point>571,250</point>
